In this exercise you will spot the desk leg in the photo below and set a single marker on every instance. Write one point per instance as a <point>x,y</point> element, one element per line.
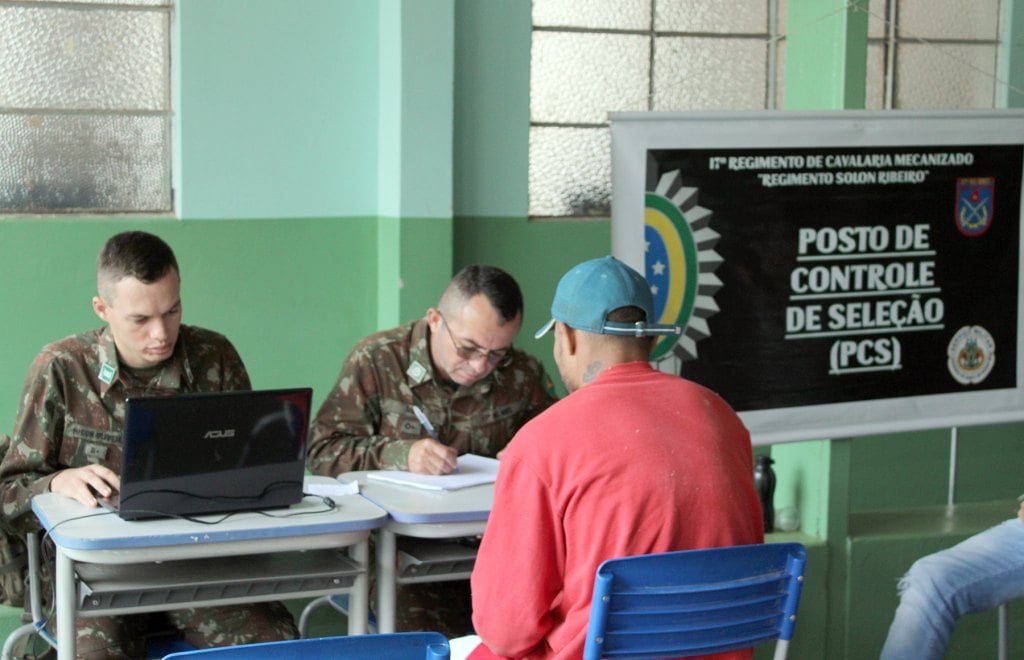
<point>65,603</point>
<point>387,551</point>
<point>359,597</point>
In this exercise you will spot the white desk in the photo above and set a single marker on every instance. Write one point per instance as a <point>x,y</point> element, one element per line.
<point>119,567</point>
<point>424,514</point>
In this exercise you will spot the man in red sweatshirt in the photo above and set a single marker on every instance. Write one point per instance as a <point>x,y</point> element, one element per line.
<point>633,461</point>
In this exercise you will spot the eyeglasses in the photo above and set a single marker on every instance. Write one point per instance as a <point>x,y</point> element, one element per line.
<point>499,358</point>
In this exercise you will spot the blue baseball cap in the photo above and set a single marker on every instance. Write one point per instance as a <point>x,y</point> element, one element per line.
<point>593,289</point>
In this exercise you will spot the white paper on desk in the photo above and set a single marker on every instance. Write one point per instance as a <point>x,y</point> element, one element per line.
<point>328,489</point>
<point>473,471</point>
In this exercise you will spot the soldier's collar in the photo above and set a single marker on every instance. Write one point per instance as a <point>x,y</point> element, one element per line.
<point>421,367</point>
<point>106,354</point>
<point>176,367</point>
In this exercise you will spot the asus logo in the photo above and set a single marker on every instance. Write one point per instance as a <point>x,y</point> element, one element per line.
<point>226,433</point>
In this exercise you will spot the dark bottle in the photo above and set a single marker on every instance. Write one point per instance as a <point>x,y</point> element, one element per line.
<point>764,483</point>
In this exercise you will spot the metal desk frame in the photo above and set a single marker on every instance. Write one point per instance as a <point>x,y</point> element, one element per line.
<point>423,514</point>
<point>151,547</point>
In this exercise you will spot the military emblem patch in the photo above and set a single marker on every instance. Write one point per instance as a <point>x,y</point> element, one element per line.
<point>975,204</point>
<point>107,373</point>
<point>971,354</point>
<point>417,372</point>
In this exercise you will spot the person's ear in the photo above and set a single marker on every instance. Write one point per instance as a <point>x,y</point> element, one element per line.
<point>568,337</point>
<point>100,307</point>
<point>434,319</point>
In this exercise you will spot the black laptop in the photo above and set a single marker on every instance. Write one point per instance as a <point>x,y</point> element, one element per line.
<point>215,452</point>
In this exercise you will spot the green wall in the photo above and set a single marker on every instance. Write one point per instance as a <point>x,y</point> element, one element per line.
<point>492,108</point>
<point>314,187</point>
<point>537,254</point>
<point>336,160</point>
<point>277,107</point>
<point>292,295</point>
<point>881,502</point>
<point>490,164</point>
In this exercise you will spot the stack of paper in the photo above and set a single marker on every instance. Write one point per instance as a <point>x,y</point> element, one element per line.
<point>473,471</point>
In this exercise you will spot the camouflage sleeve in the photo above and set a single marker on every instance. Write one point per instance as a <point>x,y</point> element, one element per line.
<point>538,388</point>
<point>346,432</point>
<point>236,377</point>
<point>29,464</point>
<point>213,360</point>
<point>541,391</point>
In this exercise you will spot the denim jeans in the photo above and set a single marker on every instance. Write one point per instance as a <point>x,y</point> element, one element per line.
<point>980,573</point>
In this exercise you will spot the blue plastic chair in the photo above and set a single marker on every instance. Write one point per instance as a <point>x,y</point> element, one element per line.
<point>696,602</point>
<point>393,646</point>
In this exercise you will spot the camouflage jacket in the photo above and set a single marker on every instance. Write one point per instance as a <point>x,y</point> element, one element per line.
<point>366,422</point>
<point>72,407</point>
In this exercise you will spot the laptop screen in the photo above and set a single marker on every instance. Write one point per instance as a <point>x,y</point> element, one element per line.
<point>189,454</point>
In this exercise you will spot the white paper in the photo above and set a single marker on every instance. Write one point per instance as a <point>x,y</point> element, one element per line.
<point>473,471</point>
<point>333,489</point>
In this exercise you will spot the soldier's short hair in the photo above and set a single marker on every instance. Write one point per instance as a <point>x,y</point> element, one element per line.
<point>136,254</point>
<point>500,289</point>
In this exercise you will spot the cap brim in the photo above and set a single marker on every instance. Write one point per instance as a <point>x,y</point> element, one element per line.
<point>544,330</point>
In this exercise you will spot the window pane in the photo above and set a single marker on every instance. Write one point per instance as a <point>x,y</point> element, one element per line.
<point>75,59</point>
<point>579,78</point>
<point>780,74</point>
<point>712,16</point>
<point>878,17</point>
<point>67,162</point>
<point>874,92</point>
<point>570,171</point>
<point>574,81</point>
<point>692,73</point>
<point>952,76</point>
<point>949,19</point>
<point>614,14</point>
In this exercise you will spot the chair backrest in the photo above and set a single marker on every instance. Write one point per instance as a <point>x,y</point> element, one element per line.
<point>393,646</point>
<point>696,602</point>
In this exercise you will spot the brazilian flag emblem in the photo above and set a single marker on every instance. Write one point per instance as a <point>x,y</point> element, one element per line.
<point>679,264</point>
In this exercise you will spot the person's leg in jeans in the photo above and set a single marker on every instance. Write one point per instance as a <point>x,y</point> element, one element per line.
<point>980,573</point>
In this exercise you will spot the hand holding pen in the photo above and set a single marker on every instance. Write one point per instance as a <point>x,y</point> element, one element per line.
<point>427,426</point>
<point>429,456</point>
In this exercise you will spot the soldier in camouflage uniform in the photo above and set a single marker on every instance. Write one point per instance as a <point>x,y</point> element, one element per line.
<point>459,367</point>
<point>67,432</point>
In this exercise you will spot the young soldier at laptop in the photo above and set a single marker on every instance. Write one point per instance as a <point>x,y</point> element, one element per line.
<point>67,432</point>
<point>459,367</point>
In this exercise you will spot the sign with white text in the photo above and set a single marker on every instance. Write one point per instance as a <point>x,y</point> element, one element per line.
<point>838,274</point>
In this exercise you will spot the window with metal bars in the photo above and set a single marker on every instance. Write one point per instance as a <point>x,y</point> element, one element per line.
<point>85,107</point>
<point>589,58</point>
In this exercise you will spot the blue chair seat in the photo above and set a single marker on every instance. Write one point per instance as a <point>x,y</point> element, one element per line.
<point>393,646</point>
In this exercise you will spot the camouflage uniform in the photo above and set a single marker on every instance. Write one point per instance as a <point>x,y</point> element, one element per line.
<point>366,423</point>
<point>72,413</point>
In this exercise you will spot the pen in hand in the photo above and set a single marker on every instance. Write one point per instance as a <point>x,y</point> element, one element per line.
<point>428,427</point>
